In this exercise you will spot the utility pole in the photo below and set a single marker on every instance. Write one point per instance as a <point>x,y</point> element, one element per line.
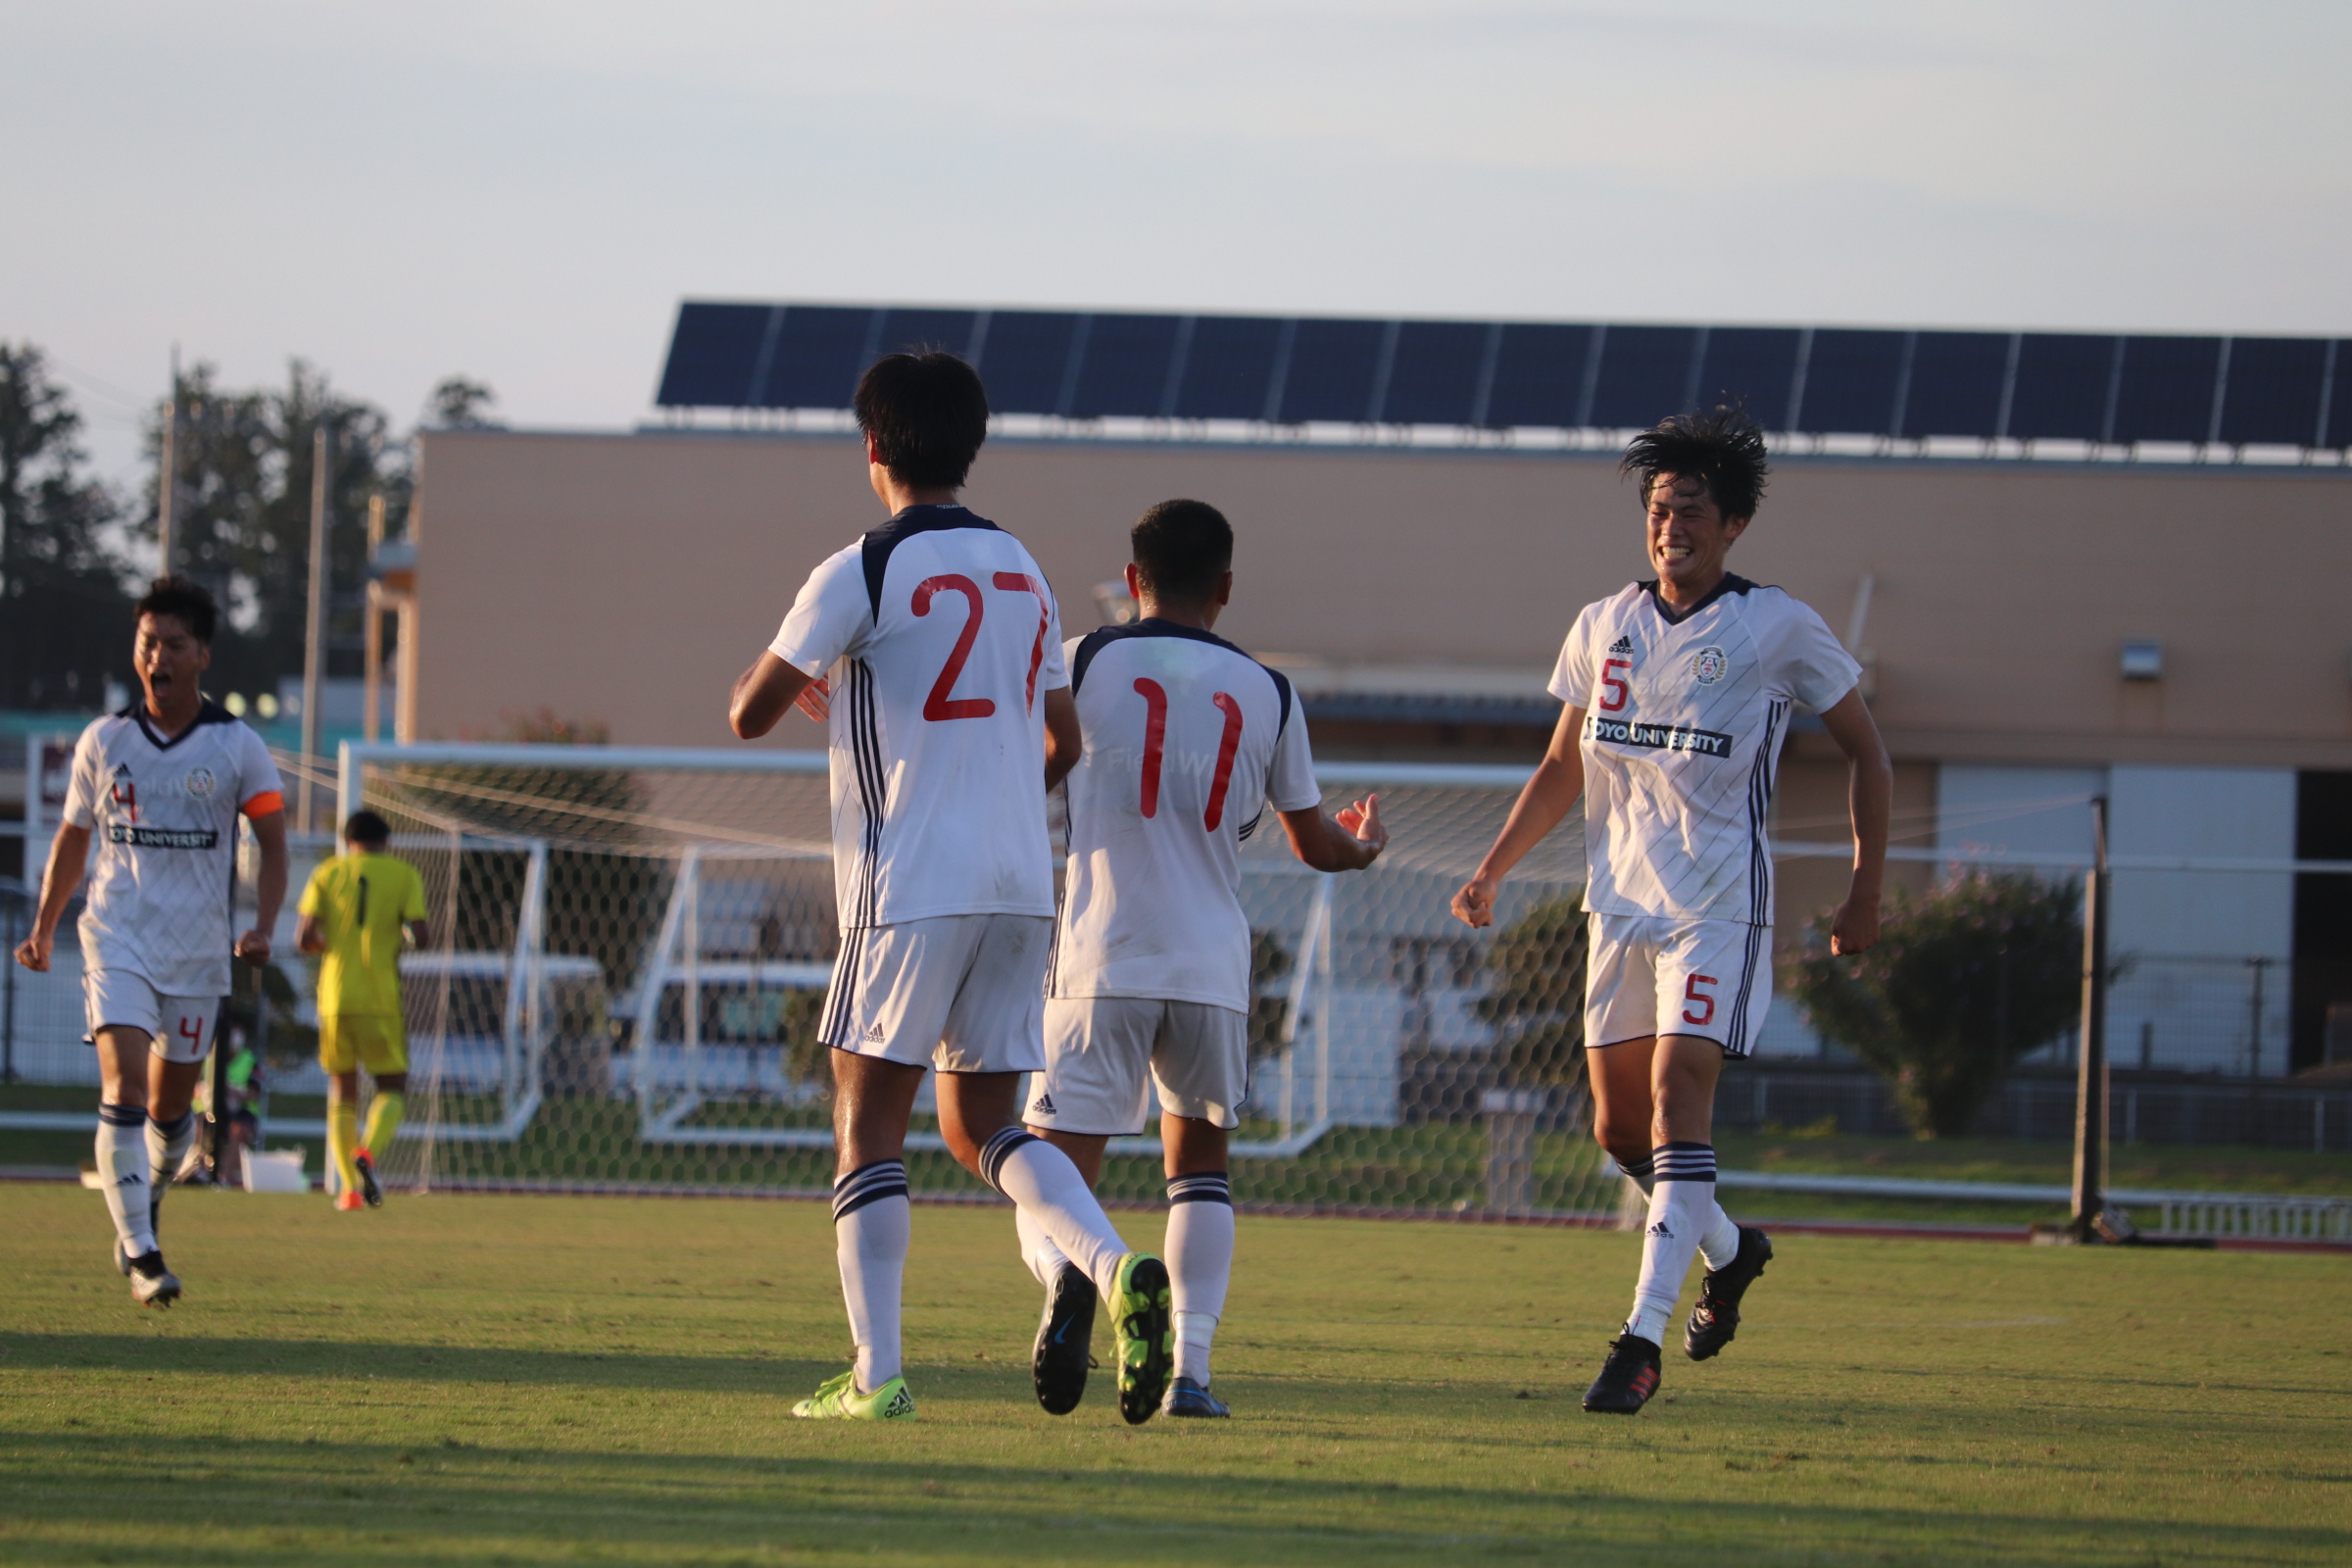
<point>313,652</point>
<point>166,488</point>
<point>2090,1083</point>
<point>371,722</point>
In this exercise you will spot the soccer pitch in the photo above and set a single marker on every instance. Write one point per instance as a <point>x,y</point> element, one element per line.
<point>518,1380</point>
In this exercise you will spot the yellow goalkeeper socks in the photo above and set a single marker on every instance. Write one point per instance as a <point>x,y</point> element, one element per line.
<point>383,1123</point>
<point>342,1141</point>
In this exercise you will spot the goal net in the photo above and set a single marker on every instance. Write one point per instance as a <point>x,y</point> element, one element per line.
<point>631,947</point>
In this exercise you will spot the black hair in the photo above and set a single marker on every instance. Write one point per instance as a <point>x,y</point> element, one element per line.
<point>1181,549</point>
<point>1721,448</point>
<point>927,414</point>
<point>182,598</point>
<point>368,829</point>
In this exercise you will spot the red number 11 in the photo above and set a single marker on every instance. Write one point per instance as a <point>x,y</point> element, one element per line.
<point>1155,738</point>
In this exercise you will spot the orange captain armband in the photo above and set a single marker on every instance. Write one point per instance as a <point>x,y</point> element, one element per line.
<point>264,804</point>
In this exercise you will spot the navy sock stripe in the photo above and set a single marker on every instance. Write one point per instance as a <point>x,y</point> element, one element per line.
<point>1683,1162</point>
<point>869,1184</point>
<point>173,1129</point>
<point>999,1149</point>
<point>123,1116</point>
<point>1640,1168</point>
<point>1205,1187</point>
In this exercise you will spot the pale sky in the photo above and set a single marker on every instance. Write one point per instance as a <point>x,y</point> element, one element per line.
<point>523,191</point>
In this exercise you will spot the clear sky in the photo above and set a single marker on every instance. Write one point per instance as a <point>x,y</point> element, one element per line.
<point>523,191</point>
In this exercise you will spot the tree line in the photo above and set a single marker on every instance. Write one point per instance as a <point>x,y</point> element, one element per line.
<point>76,550</point>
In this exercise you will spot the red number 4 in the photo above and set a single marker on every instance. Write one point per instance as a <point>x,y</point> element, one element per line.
<point>1692,993</point>
<point>193,1030</point>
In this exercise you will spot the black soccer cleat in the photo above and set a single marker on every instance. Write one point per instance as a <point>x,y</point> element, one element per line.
<point>1059,1363</point>
<point>152,1284</point>
<point>1628,1378</point>
<point>1716,1317</point>
<point>1188,1398</point>
<point>370,1188</point>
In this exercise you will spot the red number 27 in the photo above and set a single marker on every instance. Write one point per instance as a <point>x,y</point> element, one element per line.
<point>939,707</point>
<point>1155,736</point>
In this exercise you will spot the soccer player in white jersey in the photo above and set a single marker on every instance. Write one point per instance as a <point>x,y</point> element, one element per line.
<point>1188,739</point>
<point>932,648</point>
<point>160,786</point>
<point>1678,693</point>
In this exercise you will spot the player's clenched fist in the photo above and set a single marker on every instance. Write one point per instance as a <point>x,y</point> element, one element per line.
<point>34,952</point>
<point>1474,906</point>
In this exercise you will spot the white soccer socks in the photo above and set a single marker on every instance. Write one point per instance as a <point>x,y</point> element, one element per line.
<point>1042,1181</point>
<point>1200,1260</point>
<point>872,1224</point>
<point>1039,1255</point>
<point>1681,1211</point>
<point>167,1146</point>
<point>122,1175</point>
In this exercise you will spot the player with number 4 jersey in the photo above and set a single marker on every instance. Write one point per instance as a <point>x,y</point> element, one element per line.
<point>158,788</point>
<point>1187,740</point>
<point>931,649</point>
<point>1678,695</point>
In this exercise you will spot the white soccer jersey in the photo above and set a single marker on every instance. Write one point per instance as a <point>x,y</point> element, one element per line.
<point>941,640</point>
<point>1684,722</point>
<point>1187,739</point>
<point>163,815</point>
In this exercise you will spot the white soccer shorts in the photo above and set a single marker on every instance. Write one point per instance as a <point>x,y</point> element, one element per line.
<point>1649,975</point>
<point>963,993</point>
<point>179,1028</point>
<point>1103,1053</point>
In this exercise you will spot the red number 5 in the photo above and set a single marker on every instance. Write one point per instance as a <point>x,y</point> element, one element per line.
<point>1692,993</point>
<point>938,707</point>
<point>1610,684</point>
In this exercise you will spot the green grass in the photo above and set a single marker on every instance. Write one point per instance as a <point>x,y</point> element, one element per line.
<point>461,1380</point>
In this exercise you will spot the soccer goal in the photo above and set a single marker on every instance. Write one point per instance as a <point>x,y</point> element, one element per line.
<point>631,947</point>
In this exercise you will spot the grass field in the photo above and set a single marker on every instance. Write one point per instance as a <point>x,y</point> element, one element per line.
<point>526,1380</point>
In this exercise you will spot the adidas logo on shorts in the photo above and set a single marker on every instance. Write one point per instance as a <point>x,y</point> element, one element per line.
<point>873,1032</point>
<point>1043,1104</point>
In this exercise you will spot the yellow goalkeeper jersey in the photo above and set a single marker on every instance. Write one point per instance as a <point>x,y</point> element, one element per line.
<point>360,902</point>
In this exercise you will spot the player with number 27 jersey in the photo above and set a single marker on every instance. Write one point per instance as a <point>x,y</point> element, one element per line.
<point>941,639</point>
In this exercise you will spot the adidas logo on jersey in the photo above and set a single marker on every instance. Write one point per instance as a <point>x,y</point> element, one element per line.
<point>1623,645</point>
<point>1043,1104</point>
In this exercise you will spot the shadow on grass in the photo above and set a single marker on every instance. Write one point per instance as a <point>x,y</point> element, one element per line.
<point>421,1363</point>
<point>270,1503</point>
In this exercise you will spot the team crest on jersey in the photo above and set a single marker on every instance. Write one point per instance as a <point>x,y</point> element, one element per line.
<point>201,782</point>
<point>1709,665</point>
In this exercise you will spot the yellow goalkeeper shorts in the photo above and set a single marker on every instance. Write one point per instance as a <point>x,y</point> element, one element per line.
<point>379,1043</point>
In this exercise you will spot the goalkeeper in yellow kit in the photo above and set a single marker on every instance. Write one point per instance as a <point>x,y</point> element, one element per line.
<point>354,912</point>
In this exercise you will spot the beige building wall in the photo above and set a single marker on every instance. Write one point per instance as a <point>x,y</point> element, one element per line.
<point>627,578</point>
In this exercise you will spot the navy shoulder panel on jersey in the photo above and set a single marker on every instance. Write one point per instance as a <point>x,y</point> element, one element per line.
<point>1094,642</point>
<point>880,542</point>
<point>1732,583</point>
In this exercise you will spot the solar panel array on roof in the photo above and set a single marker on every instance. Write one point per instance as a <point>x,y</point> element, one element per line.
<point>2028,386</point>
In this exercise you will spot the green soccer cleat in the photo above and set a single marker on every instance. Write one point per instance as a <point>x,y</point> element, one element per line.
<point>838,1399</point>
<point>1142,1318</point>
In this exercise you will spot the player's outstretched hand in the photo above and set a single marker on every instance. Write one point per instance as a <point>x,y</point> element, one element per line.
<point>34,952</point>
<point>1474,906</point>
<point>253,948</point>
<point>1855,928</point>
<point>812,699</point>
<point>1363,821</point>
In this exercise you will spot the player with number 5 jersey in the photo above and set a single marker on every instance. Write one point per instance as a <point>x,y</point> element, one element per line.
<point>931,649</point>
<point>1187,740</point>
<point>1678,692</point>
